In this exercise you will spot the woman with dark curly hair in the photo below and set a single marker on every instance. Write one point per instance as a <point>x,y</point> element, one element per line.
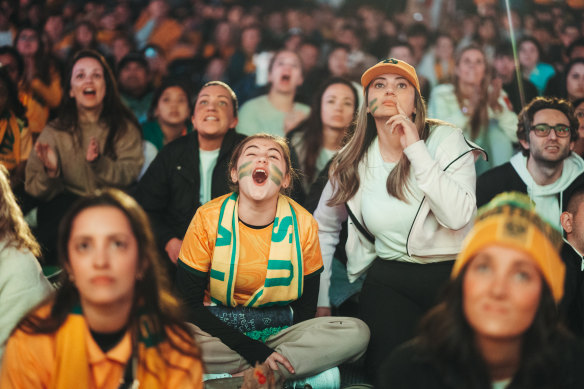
<point>497,325</point>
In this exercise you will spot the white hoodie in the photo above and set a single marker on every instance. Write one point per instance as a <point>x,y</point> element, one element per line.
<point>548,198</point>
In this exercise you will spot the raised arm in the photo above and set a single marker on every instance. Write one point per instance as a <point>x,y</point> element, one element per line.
<point>43,174</point>
<point>448,180</point>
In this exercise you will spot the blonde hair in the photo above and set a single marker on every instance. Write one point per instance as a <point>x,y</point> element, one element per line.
<point>480,116</point>
<point>13,227</point>
<point>344,170</point>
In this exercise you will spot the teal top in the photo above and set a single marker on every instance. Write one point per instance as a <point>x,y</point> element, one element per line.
<point>540,75</point>
<point>153,133</point>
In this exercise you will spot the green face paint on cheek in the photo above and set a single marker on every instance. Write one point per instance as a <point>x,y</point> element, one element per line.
<point>244,170</point>
<point>373,105</point>
<point>276,175</point>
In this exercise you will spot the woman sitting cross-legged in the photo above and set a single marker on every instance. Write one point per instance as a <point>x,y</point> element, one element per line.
<point>113,322</point>
<point>254,254</point>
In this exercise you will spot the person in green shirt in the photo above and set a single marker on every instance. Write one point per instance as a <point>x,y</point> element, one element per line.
<point>169,115</point>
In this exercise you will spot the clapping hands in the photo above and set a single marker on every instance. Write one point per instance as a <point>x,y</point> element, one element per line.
<point>48,158</point>
<point>92,150</point>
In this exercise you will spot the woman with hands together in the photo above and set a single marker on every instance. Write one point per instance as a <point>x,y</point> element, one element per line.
<point>478,105</point>
<point>94,142</point>
<point>49,158</point>
<point>397,178</point>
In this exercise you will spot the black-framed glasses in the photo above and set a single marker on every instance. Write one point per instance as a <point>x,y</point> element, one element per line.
<point>543,130</point>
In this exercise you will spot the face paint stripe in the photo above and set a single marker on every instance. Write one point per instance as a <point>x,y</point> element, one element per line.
<point>244,170</point>
<point>275,180</point>
<point>276,175</point>
<point>373,106</point>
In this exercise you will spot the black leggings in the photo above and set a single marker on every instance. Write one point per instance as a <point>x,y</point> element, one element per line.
<point>395,296</point>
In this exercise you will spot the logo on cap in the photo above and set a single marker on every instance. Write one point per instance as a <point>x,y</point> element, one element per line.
<point>390,60</point>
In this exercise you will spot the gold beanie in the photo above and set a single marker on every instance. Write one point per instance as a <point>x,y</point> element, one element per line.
<point>510,220</point>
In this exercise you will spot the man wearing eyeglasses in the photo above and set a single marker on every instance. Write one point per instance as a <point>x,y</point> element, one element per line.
<point>546,168</point>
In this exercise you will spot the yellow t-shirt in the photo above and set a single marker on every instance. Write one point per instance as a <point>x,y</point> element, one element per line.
<point>254,247</point>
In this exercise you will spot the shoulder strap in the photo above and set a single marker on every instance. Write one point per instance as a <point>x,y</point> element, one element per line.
<point>359,226</point>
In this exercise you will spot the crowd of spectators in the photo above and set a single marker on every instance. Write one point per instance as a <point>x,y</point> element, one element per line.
<point>152,96</point>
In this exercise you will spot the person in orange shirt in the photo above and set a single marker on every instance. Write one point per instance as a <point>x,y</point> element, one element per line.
<point>37,112</point>
<point>255,254</point>
<point>41,79</point>
<point>155,26</point>
<point>15,137</point>
<point>113,322</point>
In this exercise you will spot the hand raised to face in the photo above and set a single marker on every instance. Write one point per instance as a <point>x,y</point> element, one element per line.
<point>403,125</point>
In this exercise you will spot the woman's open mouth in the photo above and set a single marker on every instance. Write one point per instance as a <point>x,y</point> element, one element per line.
<point>259,176</point>
<point>89,92</point>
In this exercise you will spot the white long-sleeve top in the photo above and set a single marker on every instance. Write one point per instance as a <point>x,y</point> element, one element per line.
<point>443,182</point>
<point>22,287</point>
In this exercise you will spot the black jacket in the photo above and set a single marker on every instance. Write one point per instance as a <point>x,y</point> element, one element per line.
<point>410,367</point>
<point>571,305</point>
<point>169,190</point>
<point>504,178</point>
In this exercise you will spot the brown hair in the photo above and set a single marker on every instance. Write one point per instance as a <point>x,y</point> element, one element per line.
<point>281,142</point>
<point>312,127</point>
<point>115,115</point>
<point>480,116</point>
<point>275,56</point>
<point>447,341</point>
<point>537,104</point>
<point>153,298</point>
<point>344,171</point>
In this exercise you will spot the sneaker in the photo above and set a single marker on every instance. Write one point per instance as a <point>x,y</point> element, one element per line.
<point>207,377</point>
<point>224,383</point>
<point>328,379</point>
